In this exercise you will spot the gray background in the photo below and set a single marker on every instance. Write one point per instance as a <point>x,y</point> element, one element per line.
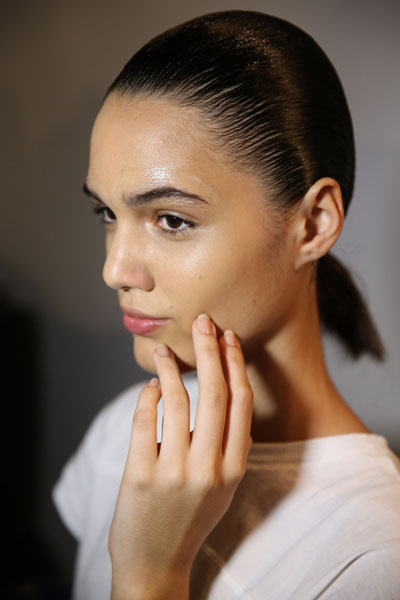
<point>58,59</point>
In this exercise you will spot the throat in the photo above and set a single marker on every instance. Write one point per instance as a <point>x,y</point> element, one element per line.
<point>294,396</point>
<point>293,403</point>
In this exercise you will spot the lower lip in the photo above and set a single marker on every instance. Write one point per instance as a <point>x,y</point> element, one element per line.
<point>142,326</point>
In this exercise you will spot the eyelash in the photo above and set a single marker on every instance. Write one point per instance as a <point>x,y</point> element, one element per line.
<point>103,210</point>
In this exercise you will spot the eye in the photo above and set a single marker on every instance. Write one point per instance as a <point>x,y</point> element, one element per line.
<point>107,215</point>
<point>173,225</point>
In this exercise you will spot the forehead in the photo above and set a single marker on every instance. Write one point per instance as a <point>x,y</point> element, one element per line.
<point>150,132</point>
<point>139,142</point>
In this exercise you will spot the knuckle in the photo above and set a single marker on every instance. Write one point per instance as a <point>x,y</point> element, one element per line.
<point>218,400</point>
<point>142,482</point>
<point>215,392</point>
<point>143,417</point>
<point>235,475</point>
<point>177,399</point>
<point>218,393</point>
<point>246,395</point>
<point>234,481</point>
<point>139,479</point>
<point>206,480</point>
<point>174,479</point>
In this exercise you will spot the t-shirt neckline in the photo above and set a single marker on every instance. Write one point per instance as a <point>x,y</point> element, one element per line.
<point>318,449</point>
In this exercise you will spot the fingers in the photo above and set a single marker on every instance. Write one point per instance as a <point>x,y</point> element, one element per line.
<point>176,407</point>
<point>211,410</point>
<point>239,409</point>
<point>223,417</point>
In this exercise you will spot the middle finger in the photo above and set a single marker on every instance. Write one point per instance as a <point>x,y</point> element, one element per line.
<point>211,409</point>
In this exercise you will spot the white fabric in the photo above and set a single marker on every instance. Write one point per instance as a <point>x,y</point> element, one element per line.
<point>316,519</point>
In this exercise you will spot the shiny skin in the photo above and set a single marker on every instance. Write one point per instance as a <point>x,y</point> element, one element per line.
<point>236,263</point>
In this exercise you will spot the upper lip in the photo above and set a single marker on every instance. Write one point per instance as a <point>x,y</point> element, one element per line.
<point>138,314</point>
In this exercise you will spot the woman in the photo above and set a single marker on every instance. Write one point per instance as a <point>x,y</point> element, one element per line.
<point>222,164</point>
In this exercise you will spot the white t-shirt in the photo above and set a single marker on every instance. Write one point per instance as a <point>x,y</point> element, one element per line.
<point>315,519</point>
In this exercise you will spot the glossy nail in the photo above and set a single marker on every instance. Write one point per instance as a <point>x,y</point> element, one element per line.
<point>204,324</point>
<point>154,382</point>
<point>230,337</point>
<point>163,350</point>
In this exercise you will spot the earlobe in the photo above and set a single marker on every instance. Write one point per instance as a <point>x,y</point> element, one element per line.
<point>319,221</point>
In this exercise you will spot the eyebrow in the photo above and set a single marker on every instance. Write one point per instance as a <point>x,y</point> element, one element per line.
<point>132,200</point>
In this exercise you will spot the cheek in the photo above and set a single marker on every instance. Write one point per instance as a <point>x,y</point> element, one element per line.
<point>239,295</point>
<point>249,294</point>
<point>236,287</point>
<point>241,287</point>
<point>188,277</point>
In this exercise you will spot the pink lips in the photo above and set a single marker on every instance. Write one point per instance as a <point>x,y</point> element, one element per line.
<point>140,324</point>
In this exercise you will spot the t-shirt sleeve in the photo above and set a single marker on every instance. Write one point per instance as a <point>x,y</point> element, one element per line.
<point>72,488</point>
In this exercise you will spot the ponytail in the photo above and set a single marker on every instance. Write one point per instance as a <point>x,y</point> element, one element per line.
<point>343,311</point>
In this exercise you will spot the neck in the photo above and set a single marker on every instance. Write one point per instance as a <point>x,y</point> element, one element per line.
<point>294,396</point>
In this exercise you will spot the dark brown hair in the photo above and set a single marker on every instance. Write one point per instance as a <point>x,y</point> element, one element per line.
<point>275,100</point>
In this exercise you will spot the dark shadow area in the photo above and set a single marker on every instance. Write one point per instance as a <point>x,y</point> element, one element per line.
<point>29,569</point>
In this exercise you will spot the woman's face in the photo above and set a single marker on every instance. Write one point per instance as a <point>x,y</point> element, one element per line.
<point>214,246</point>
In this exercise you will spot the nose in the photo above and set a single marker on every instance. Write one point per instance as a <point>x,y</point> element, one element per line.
<point>125,266</point>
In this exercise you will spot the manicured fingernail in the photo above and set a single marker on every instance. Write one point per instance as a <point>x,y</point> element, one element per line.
<point>154,382</point>
<point>204,324</point>
<point>230,337</point>
<point>163,350</point>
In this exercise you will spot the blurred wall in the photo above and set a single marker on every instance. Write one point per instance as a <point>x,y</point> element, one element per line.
<point>57,60</point>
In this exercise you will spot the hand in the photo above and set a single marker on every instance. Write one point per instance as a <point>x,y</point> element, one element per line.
<point>170,500</point>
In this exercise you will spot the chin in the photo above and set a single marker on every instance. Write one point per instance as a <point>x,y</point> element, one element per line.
<point>144,359</point>
<point>143,349</point>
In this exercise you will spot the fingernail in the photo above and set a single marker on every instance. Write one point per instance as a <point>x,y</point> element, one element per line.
<point>154,382</point>
<point>204,324</point>
<point>230,337</point>
<point>163,350</point>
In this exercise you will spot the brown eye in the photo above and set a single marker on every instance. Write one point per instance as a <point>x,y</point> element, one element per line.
<point>173,221</point>
<point>173,225</point>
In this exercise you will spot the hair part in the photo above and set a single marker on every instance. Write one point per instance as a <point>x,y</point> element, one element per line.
<point>274,101</point>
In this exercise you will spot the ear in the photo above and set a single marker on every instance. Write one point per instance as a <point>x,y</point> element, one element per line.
<point>318,221</point>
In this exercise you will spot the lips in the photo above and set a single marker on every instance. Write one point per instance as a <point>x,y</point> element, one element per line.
<point>140,324</point>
